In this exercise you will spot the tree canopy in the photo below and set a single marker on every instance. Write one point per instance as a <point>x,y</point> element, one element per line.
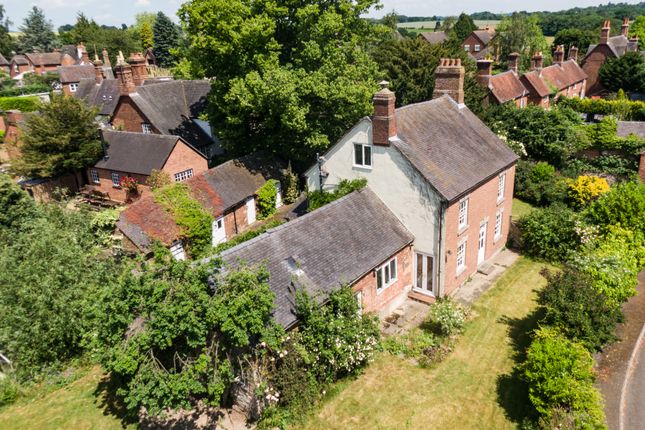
<point>166,37</point>
<point>61,138</point>
<point>521,33</point>
<point>463,27</point>
<point>7,44</point>
<point>626,73</point>
<point>575,37</point>
<point>37,32</point>
<point>291,77</point>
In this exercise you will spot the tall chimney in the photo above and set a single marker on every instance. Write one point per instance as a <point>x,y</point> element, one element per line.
<point>558,55</point>
<point>604,33</point>
<point>98,70</point>
<point>124,75</point>
<point>85,58</point>
<point>79,50</point>
<point>513,62</point>
<point>384,119</point>
<point>624,29</point>
<point>536,61</point>
<point>632,45</point>
<point>573,53</point>
<point>449,79</point>
<point>106,58</point>
<point>139,70</point>
<point>484,72</point>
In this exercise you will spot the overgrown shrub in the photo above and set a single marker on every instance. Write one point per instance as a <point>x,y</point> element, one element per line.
<point>320,198</point>
<point>9,390</point>
<point>631,110</point>
<point>243,237</point>
<point>24,90</point>
<point>539,183</point>
<point>267,197</point>
<point>158,179</point>
<point>290,186</point>
<point>23,104</point>
<point>447,317</point>
<point>551,233</point>
<point>559,375</point>
<point>581,312</point>
<point>586,189</point>
<point>614,165</point>
<point>624,205</point>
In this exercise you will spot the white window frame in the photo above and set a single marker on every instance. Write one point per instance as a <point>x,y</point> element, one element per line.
<point>146,128</point>
<point>177,251</point>
<point>384,275</point>
<point>116,180</point>
<point>183,175</point>
<point>499,216</point>
<point>462,214</point>
<point>467,48</point>
<point>73,87</point>
<point>218,225</point>
<point>94,174</point>
<point>478,47</point>
<point>461,256</point>
<point>501,186</point>
<point>364,150</point>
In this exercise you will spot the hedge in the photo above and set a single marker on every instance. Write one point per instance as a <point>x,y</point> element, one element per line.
<point>23,104</point>
<point>634,110</point>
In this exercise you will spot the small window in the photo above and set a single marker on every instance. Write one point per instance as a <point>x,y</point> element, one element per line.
<point>146,128</point>
<point>116,180</point>
<point>461,257</point>
<point>467,48</point>
<point>501,186</point>
<point>463,213</point>
<point>386,275</point>
<point>498,225</point>
<point>362,155</point>
<point>477,48</point>
<point>73,87</point>
<point>182,176</point>
<point>95,176</point>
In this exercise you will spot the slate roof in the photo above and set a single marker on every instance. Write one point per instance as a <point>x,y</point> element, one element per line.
<point>617,45</point>
<point>322,250</point>
<point>136,152</point>
<point>506,86</point>
<point>44,58</point>
<point>449,146</point>
<point>484,35</point>
<point>75,73</point>
<point>434,37</point>
<point>104,96</point>
<point>20,60</point>
<point>218,189</point>
<point>625,128</point>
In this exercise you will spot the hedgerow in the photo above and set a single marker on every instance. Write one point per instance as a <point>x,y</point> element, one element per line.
<point>630,110</point>
<point>320,198</point>
<point>23,104</point>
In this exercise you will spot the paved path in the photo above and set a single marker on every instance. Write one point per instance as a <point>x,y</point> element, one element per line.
<point>621,368</point>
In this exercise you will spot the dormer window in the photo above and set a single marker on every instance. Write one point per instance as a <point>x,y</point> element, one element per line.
<point>146,128</point>
<point>362,155</point>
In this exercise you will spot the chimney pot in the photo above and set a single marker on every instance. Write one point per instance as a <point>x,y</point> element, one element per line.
<point>384,119</point>
<point>537,61</point>
<point>98,70</point>
<point>139,69</point>
<point>106,58</point>
<point>604,32</point>
<point>624,29</point>
<point>573,53</point>
<point>558,55</point>
<point>449,79</point>
<point>513,61</point>
<point>124,75</point>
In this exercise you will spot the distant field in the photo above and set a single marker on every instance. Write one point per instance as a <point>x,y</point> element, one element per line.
<point>429,25</point>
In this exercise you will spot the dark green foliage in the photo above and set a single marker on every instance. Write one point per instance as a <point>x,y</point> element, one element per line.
<point>589,18</point>
<point>62,138</point>
<point>575,37</point>
<point>243,237</point>
<point>267,195</point>
<point>27,89</point>
<point>7,44</point>
<point>463,27</point>
<point>166,38</point>
<point>23,104</point>
<point>520,33</point>
<point>539,184</point>
<point>624,205</point>
<point>320,198</point>
<point>626,73</point>
<point>620,167</point>
<point>550,233</point>
<point>621,108</point>
<point>16,207</point>
<point>37,32</point>
<point>580,311</point>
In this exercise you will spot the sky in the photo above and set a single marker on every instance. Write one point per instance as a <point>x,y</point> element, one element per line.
<point>117,12</point>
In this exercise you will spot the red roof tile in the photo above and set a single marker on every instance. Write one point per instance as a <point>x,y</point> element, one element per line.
<point>506,86</point>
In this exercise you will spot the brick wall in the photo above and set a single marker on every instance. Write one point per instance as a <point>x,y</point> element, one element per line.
<point>116,194</point>
<point>482,206</point>
<point>183,158</point>
<point>591,66</point>
<point>641,167</point>
<point>128,117</point>
<point>381,302</point>
<point>472,41</point>
<point>235,221</point>
<point>21,69</point>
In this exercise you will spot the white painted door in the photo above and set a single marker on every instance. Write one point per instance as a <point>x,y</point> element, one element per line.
<point>250,210</point>
<point>481,248</point>
<point>424,273</point>
<point>219,232</point>
<point>278,194</point>
<point>177,251</point>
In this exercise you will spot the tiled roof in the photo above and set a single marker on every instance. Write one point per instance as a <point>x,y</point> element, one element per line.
<point>217,190</point>
<point>434,36</point>
<point>625,128</point>
<point>145,221</point>
<point>561,76</point>
<point>75,73</point>
<point>452,148</point>
<point>3,61</point>
<point>136,152</point>
<point>320,251</point>
<point>484,35</point>
<point>506,86</point>
<point>104,96</point>
<point>617,44</point>
<point>20,60</point>
<point>534,84</point>
<point>44,58</point>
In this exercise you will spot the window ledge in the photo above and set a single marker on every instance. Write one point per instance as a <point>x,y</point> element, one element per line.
<point>462,229</point>
<point>460,270</point>
<point>385,287</point>
<point>357,166</point>
<point>500,201</point>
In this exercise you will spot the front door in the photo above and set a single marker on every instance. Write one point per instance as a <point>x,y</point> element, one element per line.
<point>424,273</point>
<point>250,210</point>
<point>481,249</point>
<point>219,233</point>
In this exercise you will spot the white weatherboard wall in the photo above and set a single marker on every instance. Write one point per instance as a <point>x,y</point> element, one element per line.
<point>392,178</point>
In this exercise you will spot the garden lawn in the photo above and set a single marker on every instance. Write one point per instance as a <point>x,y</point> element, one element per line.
<point>473,388</point>
<point>521,208</point>
<point>73,406</point>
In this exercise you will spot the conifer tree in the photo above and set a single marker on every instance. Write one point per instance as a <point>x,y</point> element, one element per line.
<point>37,32</point>
<point>166,37</point>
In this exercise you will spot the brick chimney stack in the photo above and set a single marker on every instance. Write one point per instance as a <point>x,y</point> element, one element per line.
<point>514,62</point>
<point>573,53</point>
<point>537,61</point>
<point>139,70</point>
<point>484,72</point>
<point>85,57</point>
<point>124,75</point>
<point>604,33</point>
<point>98,70</point>
<point>449,79</point>
<point>384,119</point>
<point>632,45</point>
<point>106,58</point>
<point>558,55</point>
<point>624,29</point>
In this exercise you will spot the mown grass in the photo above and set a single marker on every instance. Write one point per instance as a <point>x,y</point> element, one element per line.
<point>521,208</point>
<point>474,388</point>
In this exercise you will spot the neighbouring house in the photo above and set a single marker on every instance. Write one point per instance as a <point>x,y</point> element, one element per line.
<point>43,62</point>
<point>636,128</point>
<point>71,76</point>
<point>503,87</point>
<point>101,90</point>
<point>434,37</point>
<point>442,172</point>
<point>355,240</point>
<point>135,155</point>
<point>5,65</point>
<point>228,192</point>
<point>477,43</point>
<point>607,47</point>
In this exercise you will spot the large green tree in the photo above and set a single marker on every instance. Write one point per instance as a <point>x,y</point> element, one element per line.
<point>638,29</point>
<point>37,32</point>
<point>575,37</point>
<point>463,27</point>
<point>62,137</point>
<point>7,44</point>
<point>291,77</point>
<point>166,39</point>
<point>521,33</point>
<point>626,73</point>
